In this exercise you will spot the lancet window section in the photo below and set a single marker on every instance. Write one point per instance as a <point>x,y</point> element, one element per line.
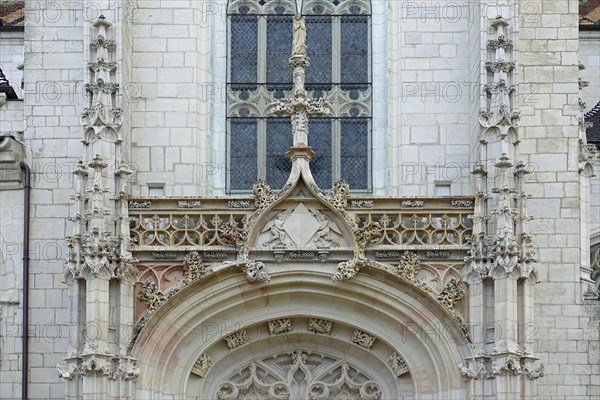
<point>260,39</point>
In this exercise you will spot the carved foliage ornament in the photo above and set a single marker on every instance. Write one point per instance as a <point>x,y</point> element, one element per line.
<point>363,339</point>
<point>451,294</point>
<point>321,326</point>
<point>398,364</point>
<point>279,326</point>
<point>193,267</point>
<point>202,365</point>
<point>114,368</point>
<point>237,339</point>
<point>151,295</point>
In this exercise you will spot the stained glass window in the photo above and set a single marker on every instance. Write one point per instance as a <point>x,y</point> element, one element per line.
<point>242,149</point>
<point>259,42</point>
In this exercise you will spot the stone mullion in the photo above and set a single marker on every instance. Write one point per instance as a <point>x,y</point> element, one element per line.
<point>336,143</point>
<point>336,51</point>
<point>336,72</point>
<point>261,146</point>
<point>262,49</point>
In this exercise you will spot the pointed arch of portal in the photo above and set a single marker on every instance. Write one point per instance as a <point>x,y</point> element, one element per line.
<point>400,321</point>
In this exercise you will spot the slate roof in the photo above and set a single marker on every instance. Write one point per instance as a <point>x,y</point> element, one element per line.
<point>12,14</point>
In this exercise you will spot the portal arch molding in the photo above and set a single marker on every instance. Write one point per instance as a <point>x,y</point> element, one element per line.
<point>376,338</point>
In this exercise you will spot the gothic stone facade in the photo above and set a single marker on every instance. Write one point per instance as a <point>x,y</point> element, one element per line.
<point>296,291</point>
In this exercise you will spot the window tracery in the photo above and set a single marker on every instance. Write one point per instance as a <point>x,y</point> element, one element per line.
<point>299,375</point>
<point>260,44</point>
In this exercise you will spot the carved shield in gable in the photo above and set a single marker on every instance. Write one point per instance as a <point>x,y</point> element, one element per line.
<point>300,227</point>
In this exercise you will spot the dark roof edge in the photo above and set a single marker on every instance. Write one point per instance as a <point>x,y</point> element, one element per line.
<point>589,27</point>
<point>12,28</point>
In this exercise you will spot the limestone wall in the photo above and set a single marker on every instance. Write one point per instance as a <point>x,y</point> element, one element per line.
<point>566,334</point>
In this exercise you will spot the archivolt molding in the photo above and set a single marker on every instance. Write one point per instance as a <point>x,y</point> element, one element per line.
<point>218,301</point>
<point>406,271</point>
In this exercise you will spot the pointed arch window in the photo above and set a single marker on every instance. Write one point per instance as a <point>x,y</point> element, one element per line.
<point>339,47</point>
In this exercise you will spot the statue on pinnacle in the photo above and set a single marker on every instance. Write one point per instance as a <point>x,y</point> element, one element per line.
<point>300,107</point>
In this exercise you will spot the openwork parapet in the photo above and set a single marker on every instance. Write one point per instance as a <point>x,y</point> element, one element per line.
<point>436,224</point>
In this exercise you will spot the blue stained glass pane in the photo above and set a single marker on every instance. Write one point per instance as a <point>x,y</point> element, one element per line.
<point>279,140</point>
<point>319,138</point>
<point>355,152</point>
<point>244,48</point>
<point>243,171</point>
<point>318,36</point>
<point>355,49</point>
<point>279,49</point>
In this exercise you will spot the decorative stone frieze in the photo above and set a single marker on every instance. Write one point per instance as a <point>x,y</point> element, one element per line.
<point>462,203</point>
<point>140,204</point>
<point>388,255</point>
<point>214,255</point>
<point>437,254</point>
<point>239,204</point>
<point>189,204</point>
<point>164,255</point>
<point>362,203</point>
<point>412,203</point>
